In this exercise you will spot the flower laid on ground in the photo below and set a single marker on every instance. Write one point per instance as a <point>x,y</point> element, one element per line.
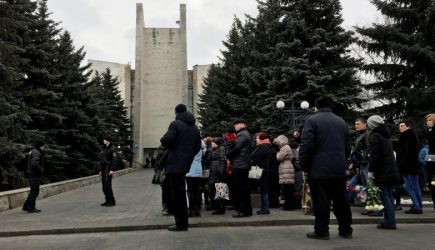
<point>373,200</point>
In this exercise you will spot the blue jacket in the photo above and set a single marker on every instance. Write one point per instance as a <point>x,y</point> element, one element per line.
<point>423,152</point>
<point>196,167</point>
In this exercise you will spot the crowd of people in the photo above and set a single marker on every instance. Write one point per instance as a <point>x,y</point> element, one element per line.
<point>217,174</point>
<point>216,170</point>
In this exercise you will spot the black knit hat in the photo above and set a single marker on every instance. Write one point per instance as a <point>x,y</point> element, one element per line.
<point>39,144</point>
<point>180,108</point>
<point>323,102</point>
<point>107,138</point>
<point>237,121</point>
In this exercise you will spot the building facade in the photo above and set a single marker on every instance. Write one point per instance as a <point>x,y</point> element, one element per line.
<point>158,83</point>
<point>123,73</point>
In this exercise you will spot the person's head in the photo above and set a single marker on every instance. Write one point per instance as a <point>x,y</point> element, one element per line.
<point>239,124</point>
<point>404,126</point>
<point>280,141</point>
<point>39,145</point>
<point>375,121</point>
<point>323,102</point>
<point>296,134</point>
<point>208,140</point>
<point>430,120</point>
<point>260,136</point>
<point>180,108</point>
<point>360,124</point>
<point>107,140</point>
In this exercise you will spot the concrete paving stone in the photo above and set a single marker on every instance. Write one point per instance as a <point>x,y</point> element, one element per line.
<point>243,238</point>
<point>138,207</point>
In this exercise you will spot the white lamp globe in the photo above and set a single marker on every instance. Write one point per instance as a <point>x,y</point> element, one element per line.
<point>280,104</point>
<point>305,105</point>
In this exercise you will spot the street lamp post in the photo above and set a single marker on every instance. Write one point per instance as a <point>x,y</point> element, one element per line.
<point>295,116</point>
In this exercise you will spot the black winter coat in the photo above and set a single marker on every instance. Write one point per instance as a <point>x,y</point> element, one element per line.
<point>407,153</point>
<point>360,154</point>
<point>430,136</point>
<point>324,145</point>
<point>107,158</point>
<point>183,142</point>
<point>217,165</point>
<point>35,163</point>
<point>264,156</point>
<point>240,153</point>
<point>381,156</point>
<point>107,161</point>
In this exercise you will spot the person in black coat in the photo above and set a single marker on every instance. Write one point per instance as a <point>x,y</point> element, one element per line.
<point>430,167</point>
<point>107,163</point>
<point>409,168</point>
<point>183,141</point>
<point>382,167</point>
<point>34,172</point>
<point>218,163</point>
<point>263,156</point>
<point>322,155</point>
<point>240,157</point>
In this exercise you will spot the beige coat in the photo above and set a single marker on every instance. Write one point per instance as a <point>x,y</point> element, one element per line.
<point>284,156</point>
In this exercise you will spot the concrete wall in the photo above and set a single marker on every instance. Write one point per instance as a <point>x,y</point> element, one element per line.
<point>160,80</point>
<point>123,73</point>
<point>136,88</point>
<point>199,73</point>
<point>15,198</point>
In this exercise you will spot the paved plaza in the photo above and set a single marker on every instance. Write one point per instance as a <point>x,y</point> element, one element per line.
<point>75,220</point>
<point>407,237</point>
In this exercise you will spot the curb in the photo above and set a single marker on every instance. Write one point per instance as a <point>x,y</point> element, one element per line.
<point>263,223</point>
<point>15,198</point>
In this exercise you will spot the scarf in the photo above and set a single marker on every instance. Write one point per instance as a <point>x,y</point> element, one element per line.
<point>265,141</point>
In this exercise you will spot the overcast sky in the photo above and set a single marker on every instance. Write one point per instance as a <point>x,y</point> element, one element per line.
<point>106,28</point>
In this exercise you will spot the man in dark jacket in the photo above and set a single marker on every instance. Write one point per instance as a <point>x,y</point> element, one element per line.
<point>240,157</point>
<point>107,166</point>
<point>407,162</point>
<point>322,155</point>
<point>382,167</point>
<point>360,153</point>
<point>34,172</point>
<point>183,141</point>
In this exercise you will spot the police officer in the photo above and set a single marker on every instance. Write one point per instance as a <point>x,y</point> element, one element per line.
<point>107,159</point>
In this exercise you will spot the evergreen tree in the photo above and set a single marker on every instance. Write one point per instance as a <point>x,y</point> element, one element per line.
<point>110,114</point>
<point>405,47</point>
<point>293,50</point>
<point>14,23</point>
<point>310,57</point>
<point>40,92</point>
<point>267,42</point>
<point>212,118</point>
<point>76,134</point>
<point>226,96</point>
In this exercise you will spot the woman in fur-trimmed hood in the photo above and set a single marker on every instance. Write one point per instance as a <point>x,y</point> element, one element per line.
<point>286,171</point>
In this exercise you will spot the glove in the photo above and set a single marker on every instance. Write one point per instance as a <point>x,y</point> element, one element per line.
<point>371,175</point>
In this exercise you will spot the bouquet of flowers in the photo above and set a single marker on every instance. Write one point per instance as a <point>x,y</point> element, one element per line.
<point>361,194</point>
<point>373,200</point>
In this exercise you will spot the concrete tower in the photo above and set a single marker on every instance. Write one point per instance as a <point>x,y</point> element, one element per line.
<point>160,81</point>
